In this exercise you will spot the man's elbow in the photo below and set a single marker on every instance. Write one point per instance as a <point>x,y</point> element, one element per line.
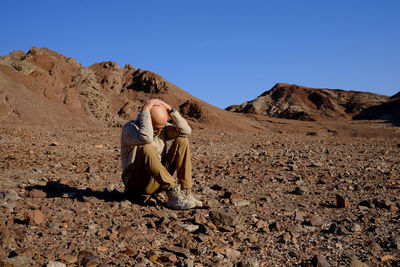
<point>186,132</point>
<point>146,139</point>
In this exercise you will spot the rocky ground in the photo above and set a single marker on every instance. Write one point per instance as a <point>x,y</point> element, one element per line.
<point>315,195</point>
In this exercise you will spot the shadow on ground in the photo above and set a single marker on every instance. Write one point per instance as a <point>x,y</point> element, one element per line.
<point>54,189</point>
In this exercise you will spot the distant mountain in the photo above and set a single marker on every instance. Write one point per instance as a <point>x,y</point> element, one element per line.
<point>42,87</point>
<point>292,101</point>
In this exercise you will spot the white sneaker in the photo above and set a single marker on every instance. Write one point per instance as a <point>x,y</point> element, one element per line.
<point>187,192</point>
<point>176,200</point>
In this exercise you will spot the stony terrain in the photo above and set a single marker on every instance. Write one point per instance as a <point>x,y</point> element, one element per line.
<point>289,194</point>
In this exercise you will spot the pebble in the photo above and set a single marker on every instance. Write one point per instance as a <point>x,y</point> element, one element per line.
<point>238,202</point>
<point>9,195</point>
<point>180,252</point>
<point>316,221</point>
<point>223,218</point>
<point>357,263</point>
<point>320,261</point>
<point>35,217</point>
<point>6,238</point>
<point>55,264</point>
<point>69,258</point>
<point>190,227</point>
<point>342,202</point>
<point>356,228</point>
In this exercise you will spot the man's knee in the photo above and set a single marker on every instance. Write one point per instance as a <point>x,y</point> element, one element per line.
<point>147,149</point>
<point>182,141</point>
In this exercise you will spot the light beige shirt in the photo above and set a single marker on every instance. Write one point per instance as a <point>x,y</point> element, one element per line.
<point>140,132</point>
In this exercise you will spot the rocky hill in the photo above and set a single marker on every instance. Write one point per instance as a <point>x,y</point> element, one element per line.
<point>386,111</point>
<point>292,101</point>
<point>42,87</point>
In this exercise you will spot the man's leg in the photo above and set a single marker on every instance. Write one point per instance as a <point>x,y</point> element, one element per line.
<point>147,174</point>
<point>178,158</point>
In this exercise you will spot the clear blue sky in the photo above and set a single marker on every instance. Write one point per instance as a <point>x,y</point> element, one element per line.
<point>224,52</point>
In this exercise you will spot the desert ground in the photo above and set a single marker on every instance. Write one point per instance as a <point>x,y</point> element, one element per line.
<point>289,193</point>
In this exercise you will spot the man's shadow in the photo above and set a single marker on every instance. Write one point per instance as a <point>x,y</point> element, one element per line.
<point>54,189</point>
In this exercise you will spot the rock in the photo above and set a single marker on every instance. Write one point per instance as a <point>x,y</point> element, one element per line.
<point>335,229</point>
<point>86,258</point>
<point>9,206</point>
<point>300,190</point>
<point>357,263</point>
<point>298,216</point>
<point>231,253</point>
<point>356,228</point>
<point>55,264</point>
<point>54,144</point>
<point>396,242</point>
<point>69,258</point>
<point>181,252</point>
<point>320,261</point>
<point>20,261</point>
<point>35,217</point>
<point>240,202</point>
<point>190,227</point>
<point>35,193</point>
<point>152,256</point>
<point>316,221</point>
<point>169,258</point>
<point>249,262</point>
<point>223,218</point>
<point>185,263</point>
<point>9,195</point>
<point>213,203</point>
<point>261,224</point>
<point>374,248</point>
<point>387,258</point>
<point>341,202</point>
<point>275,226</point>
<point>6,238</point>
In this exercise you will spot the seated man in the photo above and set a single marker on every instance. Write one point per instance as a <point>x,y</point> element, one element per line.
<point>147,166</point>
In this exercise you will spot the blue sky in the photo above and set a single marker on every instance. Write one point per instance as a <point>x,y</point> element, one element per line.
<point>223,52</point>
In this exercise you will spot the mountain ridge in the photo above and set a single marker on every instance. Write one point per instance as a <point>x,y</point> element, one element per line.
<point>291,101</point>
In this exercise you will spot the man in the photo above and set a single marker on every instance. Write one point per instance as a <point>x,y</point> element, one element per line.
<point>147,165</point>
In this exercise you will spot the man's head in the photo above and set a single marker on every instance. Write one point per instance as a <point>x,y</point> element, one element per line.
<point>159,117</point>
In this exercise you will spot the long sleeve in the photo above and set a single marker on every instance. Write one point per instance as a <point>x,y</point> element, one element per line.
<point>139,132</point>
<point>180,127</point>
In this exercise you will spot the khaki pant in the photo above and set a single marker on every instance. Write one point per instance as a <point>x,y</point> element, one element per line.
<point>147,174</point>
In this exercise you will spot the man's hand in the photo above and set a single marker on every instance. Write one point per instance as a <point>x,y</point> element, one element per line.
<point>156,102</point>
<point>166,106</point>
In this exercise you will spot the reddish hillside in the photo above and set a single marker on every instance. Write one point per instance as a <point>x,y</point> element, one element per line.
<point>46,88</point>
<point>292,101</point>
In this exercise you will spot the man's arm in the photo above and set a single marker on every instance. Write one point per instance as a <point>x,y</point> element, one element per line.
<point>132,136</point>
<point>144,135</point>
<point>180,127</point>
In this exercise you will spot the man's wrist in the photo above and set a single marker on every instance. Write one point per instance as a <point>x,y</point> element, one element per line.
<point>172,110</point>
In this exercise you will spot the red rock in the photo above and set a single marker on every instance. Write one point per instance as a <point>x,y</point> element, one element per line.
<point>320,261</point>
<point>69,258</point>
<point>35,217</point>
<point>37,193</point>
